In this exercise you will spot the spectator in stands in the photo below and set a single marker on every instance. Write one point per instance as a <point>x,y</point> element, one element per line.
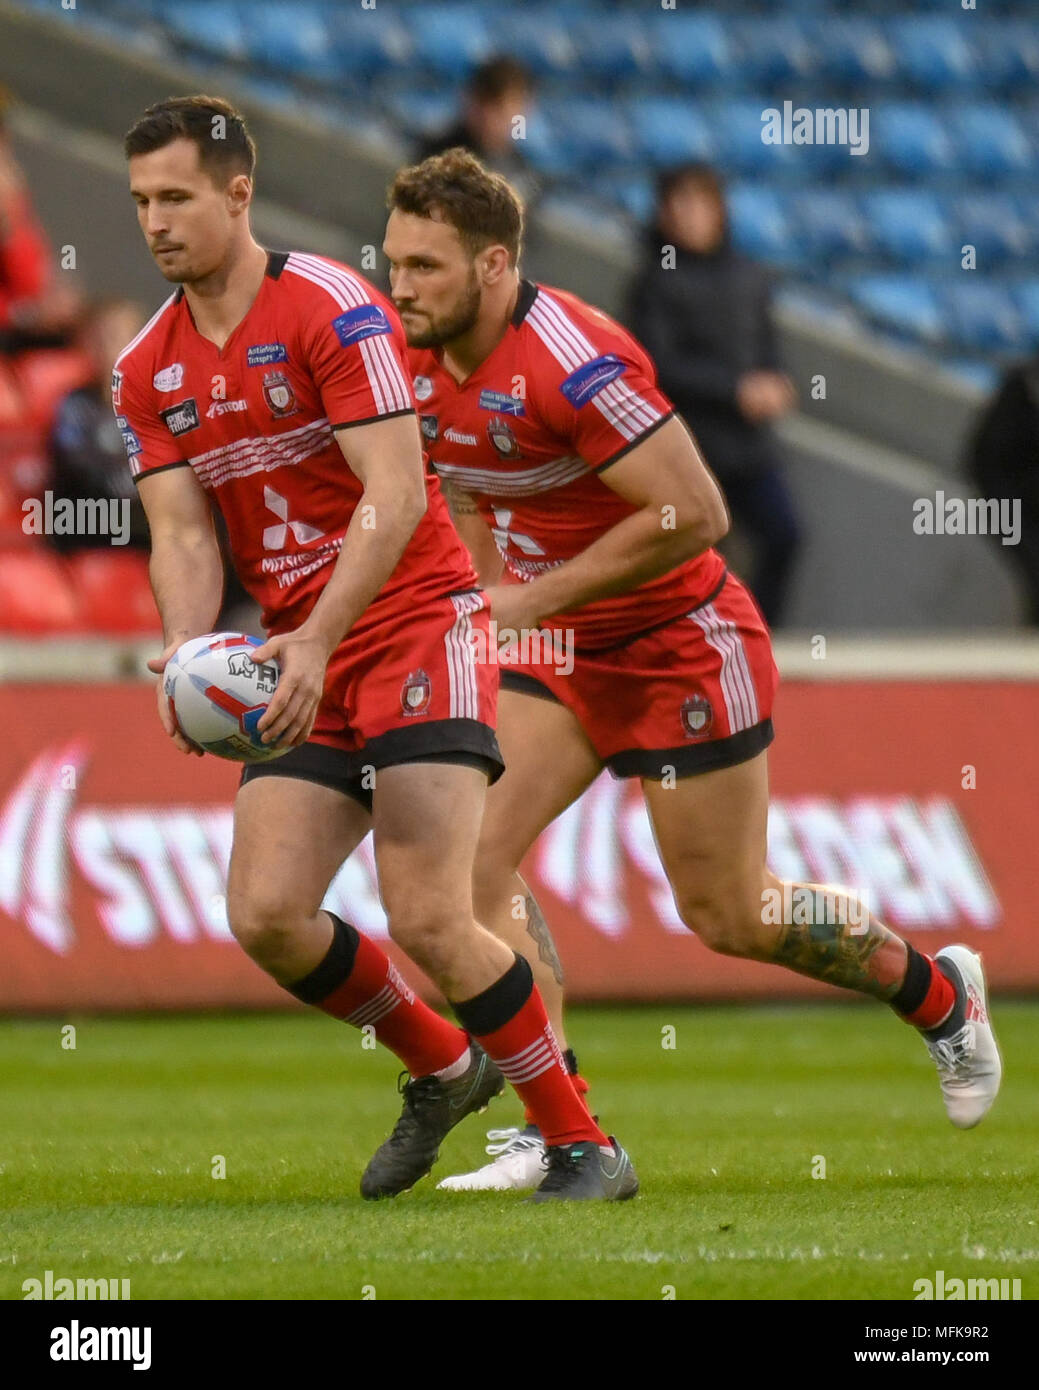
<point>1003,461</point>
<point>498,91</point>
<point>703,311</point>
<point>87,456</point>
<point>34,307</point>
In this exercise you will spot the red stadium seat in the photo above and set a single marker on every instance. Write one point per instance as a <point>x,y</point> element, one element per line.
<point>45,377</point>
<point>114,593</point>
<point>38,597</point>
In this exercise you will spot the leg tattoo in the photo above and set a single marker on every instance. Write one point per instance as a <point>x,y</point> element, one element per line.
<point>537,927</point>
<point>831,937</point>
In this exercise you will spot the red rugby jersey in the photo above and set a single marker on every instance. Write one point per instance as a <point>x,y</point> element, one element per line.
<point>565,393</point>
<point>319,348</point>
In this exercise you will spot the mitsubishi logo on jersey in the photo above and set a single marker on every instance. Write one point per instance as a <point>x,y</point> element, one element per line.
<point>502,534</point>
<point>274,537</point>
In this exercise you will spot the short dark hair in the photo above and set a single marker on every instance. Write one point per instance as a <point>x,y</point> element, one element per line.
<point>482,207</point>
<point>498,76</point>
<point>217,130</point>
<point>697,172</point>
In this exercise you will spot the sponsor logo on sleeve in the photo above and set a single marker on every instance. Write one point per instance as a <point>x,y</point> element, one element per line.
<point>169,378</point>
<point>423,387</point>
<point>366,321</point>
<point>131,443</point>
<point>265,354</point>
<point>117,388</point>
<point>502,403</point>
<point>181,417</point>
<point>430,426</point>
<point>590,378</point>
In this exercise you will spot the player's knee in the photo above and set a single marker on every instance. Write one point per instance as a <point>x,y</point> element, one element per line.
<point>720,923</point>
<point>425,925</point>
<point>263,926</point>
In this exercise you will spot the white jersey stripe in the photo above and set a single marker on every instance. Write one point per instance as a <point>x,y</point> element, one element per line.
<point>513,484</point>
<point>145,330</point>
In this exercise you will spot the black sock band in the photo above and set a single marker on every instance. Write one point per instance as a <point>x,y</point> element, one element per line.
<point>915,985</point>
<point>334,969</point>
<point>572,1069</point>
<point>491,1010</point>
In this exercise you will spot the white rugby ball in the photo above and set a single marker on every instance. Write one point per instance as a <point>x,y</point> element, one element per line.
<point>217,694</point>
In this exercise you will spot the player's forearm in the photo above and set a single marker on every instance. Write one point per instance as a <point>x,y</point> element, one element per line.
<point>636,550</point>
<point>479,541</point>
<point>187,579</point>
<point>375,540</point>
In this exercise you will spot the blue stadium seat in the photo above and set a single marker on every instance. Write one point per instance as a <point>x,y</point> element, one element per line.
<point>669,130</point>
<point>934,52</point>
<point>538,38</point>
<point>690,47</point>
<point>909,225</point>
<point>421,111</point>
<point>769,51</point>
<point>993,224</point>
<point>829,222</point>
<point>1026,298</point>
<point>213,27</point>
<point>736,127</point>
<point>633,192</point>
<point>611,45</point>
<point>759,225</point>
<point>854,51</point>
<point>991,141</point>
<point>368,43</point>
<point>911,139</point>
<point>588,132</point>
<point>983,315</point>
<point>902,304</point>
<point>291,38</point>
<point>1008,54</point>
<point>449,39</point>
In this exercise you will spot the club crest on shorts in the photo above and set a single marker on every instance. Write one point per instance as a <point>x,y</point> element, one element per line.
<point>499,432</point>
<point>415,693</point>
<point>697,716</point>
<point>279,395</point>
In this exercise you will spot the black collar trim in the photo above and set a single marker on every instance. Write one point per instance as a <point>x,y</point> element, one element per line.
<point>276,263</point>
<point>528,292</point>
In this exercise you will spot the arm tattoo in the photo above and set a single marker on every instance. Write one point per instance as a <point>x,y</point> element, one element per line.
<point>537,927</point>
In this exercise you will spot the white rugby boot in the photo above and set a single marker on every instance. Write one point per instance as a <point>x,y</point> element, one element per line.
<point>964,1046</point>
<point>518,1163</point>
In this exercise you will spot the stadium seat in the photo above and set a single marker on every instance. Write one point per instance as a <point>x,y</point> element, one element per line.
<point>45,376</point>
<point>113,589</point>
<point>292,38</point>
<point>994,225</point>
<point>587,133</point>
<point>768,51</point>
<point>902,304</point>
<point>450,39</point>
<point>1026,299</point>
<point>1008,54</point>
<point>540,39</point>
<point>912,140</point>
<point>214,26</point>
<point>829,222</point>
<point>736,128</point>
<point>691,48</point>
<point>668,130</point>
<point>991,142</point>
<point>38,596</point>
<point>934,52</point>
<point>633,192</point>
<point>368,43</point>
<point>983,316</point>
<point>759,225</point>
<point>611,46</point>
<point>853,51</point>
<point>909,225</point>
<point>421,112</point>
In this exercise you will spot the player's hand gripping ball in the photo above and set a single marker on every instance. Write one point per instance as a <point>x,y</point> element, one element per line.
<point>216,694</point>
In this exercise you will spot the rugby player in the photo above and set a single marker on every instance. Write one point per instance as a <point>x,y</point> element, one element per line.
<point>274,386</point>
<point>591,516</point>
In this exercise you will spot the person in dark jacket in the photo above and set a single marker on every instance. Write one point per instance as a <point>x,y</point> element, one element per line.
<point>703,312</point>
<point>499,91</point>
<point>1003,461</point>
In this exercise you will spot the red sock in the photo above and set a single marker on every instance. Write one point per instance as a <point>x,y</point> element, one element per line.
<point>510,1024</point>
<point>359,984</point>
<point>938,1000</point>
<point>578,1082</point>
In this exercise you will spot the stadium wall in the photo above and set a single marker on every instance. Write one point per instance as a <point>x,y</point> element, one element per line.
<point>907,782</point>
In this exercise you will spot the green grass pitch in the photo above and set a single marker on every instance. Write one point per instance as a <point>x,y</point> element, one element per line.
<point>107,1158</point>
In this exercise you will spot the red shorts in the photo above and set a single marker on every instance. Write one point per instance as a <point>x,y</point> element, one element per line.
<point>410,689</point>
<point>688,697</point>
